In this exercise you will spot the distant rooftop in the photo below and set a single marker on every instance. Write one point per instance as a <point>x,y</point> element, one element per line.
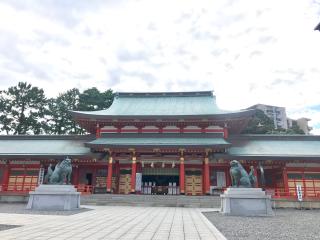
<point>265,105</point>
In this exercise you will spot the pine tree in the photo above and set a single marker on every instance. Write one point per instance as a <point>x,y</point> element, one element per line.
<point>60,121</point>
<point>24,108</point>
<point>92,99</point>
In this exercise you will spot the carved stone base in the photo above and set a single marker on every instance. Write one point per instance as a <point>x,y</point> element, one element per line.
<point>246,202</point>
<point>54,197</point>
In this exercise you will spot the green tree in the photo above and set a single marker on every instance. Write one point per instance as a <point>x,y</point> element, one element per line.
<point>259,124</point>
<point>262,124</point>
<point>60,120</point>
<point>24,109</point>
<point>92,99</point>
<point>5,119</point>
<point>295,129</point>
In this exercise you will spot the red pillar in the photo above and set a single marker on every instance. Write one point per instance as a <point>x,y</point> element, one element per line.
<point>98,131</point>
<point>182,175</point>
<point>109,177</point>
<point>117,173</point>
<point>228,177</point>
<point>76,175</point>
<point>203,181</point>
<point>225,132</point>
<point>133,174</point>
<point>5,178</point>
<point>206,176</point>
<point>285,181</point>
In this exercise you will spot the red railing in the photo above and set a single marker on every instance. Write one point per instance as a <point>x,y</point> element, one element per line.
<point>19,188</point>
<point>24,188</point>
<point>310,189</point>
<point>84,189</point>
<point>291,193</point>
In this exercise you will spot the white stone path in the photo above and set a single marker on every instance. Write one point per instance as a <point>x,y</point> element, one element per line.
<point>110,222</point>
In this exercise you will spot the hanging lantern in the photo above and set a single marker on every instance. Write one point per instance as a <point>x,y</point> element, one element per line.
<point>173,165</point>
<point>152,164</point>
<point>163,165</point>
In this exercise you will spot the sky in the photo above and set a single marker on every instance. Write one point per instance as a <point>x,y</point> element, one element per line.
<point>246,51</point>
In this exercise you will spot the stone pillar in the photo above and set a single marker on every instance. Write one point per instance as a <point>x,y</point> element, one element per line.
<point>133,173</point>
<point>182,173</point>
<point>109,176</point>
<point>206,176</point>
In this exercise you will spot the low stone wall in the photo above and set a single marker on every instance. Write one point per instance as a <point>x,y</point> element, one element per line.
<point>14,198</point>
<point>275,203</point>
<point>289,203</point>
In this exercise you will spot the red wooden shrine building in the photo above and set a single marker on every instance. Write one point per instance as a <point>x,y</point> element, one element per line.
<point>163,143</point>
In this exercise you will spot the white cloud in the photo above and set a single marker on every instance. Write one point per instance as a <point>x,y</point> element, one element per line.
<point>247,51</point>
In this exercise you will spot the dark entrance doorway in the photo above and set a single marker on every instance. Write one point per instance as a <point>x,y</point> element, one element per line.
<point>160,184</point>
<point>89,179</point>
<point>160,181</point>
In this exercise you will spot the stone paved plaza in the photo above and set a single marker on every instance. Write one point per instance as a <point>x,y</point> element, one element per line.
<point>110,222</point>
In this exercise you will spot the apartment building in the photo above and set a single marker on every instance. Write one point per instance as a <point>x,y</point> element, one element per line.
<point>277,114</point>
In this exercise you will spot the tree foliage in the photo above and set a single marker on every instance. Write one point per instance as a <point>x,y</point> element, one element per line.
<point>60,120</point>
<point>23,109</point>
<point>26,110</point>
<point>92,99</point>
<point>262,124</point>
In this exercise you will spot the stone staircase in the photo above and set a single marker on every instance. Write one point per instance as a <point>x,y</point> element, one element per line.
<point>151,200</point>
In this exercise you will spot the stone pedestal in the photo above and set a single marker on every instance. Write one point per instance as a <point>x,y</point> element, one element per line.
<point>54,197</point>
<point>246,202</point>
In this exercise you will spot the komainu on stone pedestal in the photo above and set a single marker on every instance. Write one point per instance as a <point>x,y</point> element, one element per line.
<point>246,202</point>
<point>61,174</point>
<point>239,176</point>
<point>54,197</point>
<point>58,194</point>
<point>242,199</point>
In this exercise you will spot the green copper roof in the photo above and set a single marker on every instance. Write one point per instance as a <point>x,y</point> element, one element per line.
<point>43,146</point>
<point>161,104</point>
<point>275,146</point>
<point>158,142</point>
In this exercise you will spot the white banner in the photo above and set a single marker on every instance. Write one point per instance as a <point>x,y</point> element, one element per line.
<point>299,193</point>
<point>138,181</point>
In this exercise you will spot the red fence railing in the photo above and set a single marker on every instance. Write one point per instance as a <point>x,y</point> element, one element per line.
<point>24,188</point>
<point>291,192</point>
<point>310,189</point>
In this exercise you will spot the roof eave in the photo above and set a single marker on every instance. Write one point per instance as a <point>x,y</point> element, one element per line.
<point>267,157</point>
<point>246,113</point>
<point>144,145</point>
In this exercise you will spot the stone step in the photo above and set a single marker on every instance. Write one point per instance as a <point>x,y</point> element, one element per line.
<point>152,200</point>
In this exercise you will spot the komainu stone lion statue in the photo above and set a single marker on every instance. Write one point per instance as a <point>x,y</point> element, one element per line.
<point>61,174</point>
<point>239,176</point>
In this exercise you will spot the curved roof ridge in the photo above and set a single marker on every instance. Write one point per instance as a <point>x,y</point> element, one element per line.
<point>165,94</point>
<point>162,104</point>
